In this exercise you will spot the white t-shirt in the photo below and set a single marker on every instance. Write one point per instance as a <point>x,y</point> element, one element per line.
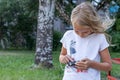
<point>79,48</point>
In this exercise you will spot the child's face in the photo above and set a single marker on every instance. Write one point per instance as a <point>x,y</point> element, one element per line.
<point>82,31</point>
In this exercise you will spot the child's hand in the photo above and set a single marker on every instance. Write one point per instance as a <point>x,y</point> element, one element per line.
<point>65,59</point>
<point>84,64</point>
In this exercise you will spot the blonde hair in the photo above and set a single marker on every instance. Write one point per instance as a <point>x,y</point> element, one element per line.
<point>85,14</point>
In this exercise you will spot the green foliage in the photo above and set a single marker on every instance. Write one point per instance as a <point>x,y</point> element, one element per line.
<point>118,24</point>
<point>18,22</point>
<point>19,19</point>
<point>56,40</point>
<point>68,8</point>
<point>115,41</point>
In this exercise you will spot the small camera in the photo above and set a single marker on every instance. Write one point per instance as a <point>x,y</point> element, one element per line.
<point>71,63</point>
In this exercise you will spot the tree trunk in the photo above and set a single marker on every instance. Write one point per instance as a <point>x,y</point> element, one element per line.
<point>43,56</point>
<point>80,1</point>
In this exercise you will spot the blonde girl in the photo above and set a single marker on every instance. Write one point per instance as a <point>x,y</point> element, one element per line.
<point>85,48</point>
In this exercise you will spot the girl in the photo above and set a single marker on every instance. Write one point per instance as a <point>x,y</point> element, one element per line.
<point>84,46</point>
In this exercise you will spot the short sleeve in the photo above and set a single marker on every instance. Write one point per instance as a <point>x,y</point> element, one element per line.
<point>104,44</point>
<point>64,39</point>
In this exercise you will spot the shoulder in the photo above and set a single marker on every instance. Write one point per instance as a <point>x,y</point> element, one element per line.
<point>100,35</point>
<point>68,33</point>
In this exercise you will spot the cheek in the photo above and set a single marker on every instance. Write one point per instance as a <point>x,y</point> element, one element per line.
<point>89,33</point>
<point>76,32</point>
<point>86,34</point>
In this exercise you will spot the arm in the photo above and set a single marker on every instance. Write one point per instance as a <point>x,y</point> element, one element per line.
<point>64,58</point>
<point>105,65</point>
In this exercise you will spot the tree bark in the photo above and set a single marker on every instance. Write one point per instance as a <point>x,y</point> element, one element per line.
<point>43,56</point>
<point>80,1</point>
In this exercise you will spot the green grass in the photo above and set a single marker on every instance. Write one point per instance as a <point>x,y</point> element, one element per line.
<point>15,65</point>
<point>116,67</point>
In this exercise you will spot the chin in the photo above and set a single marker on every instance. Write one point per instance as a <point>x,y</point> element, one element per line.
<point>83,36</point>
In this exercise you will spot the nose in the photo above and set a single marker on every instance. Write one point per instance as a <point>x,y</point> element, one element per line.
<point>81,35</point>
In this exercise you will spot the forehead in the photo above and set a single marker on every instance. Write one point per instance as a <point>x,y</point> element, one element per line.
<point>80,27</point>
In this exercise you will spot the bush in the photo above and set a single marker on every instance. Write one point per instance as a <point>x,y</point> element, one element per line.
<point>115,40</point>
<point>118,24</point>
<point>56,40</point>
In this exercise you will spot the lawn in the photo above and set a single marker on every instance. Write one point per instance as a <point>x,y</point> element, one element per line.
<point>16,65</point>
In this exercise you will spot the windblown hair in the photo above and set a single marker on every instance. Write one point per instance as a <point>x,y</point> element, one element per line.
<point>86,15</point>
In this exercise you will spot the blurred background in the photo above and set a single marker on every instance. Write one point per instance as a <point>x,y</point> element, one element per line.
<point>18,21</point>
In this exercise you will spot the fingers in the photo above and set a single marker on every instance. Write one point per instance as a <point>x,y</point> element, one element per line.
<point>83,64</point>
<point>65,59</point>
<point>69,57</point>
